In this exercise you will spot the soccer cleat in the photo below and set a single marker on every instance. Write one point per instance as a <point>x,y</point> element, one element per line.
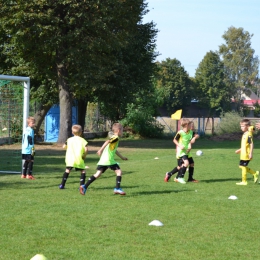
<point>167,177</point>
<point>23,176</point>
<point>82,189</point>
<point>256,175</point>
<point>193,180</point>
<point>119,191</point>
<point>30,177</point>
<point>242,183</point>
<point>61,187</point>
<point>180,180</point>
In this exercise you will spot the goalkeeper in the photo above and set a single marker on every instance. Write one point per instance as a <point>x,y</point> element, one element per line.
<point>28,149</point>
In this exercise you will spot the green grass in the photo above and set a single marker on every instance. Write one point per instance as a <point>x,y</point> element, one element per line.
<point>200,222</point>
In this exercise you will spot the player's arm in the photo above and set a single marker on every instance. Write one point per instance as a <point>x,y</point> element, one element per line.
<point>121,156</point>
<point>251,145</point>
<point>99,152</point>
<point>176,141</point>
<point>85,152</point>
<point>238,150</point>
<point>65,145</point>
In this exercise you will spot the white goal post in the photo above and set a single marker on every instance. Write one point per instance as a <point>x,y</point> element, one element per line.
<point>25,114</point>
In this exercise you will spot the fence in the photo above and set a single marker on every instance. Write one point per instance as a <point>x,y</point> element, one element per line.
<point>203,125</point>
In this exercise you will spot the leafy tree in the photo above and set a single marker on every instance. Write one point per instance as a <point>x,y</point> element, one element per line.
<point>211,90</point>
<point>241,66</point>
<point>173,85</point>
<point>71,43</point>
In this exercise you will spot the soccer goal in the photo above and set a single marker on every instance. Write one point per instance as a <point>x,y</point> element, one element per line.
<point>14,110</point>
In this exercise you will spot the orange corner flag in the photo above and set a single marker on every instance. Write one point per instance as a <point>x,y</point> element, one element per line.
<point>177,115</point>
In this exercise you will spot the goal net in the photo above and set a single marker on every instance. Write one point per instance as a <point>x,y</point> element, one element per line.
<point>14,110</point>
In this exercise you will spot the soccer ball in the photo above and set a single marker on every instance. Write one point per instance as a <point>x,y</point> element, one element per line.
<point>39,257</point>
<point>199,153</point>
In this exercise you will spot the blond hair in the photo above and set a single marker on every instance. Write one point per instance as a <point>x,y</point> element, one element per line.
<point>116,126</point>
<point>76,130</point>
<point>185,122</point>
<point>30,119</point>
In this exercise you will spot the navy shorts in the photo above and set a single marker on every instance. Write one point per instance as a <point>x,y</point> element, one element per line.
<point>27,157</point>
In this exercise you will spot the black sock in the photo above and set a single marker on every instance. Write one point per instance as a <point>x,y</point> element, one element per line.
<point>90,180</point>
<point>181,172</point>
<point>173,171</point>
<point>118,181</point>
<point>25,165</point>
<point>82,178</point>
<point>30,167</point>
<point>64,178</point>
<point>191,171</point>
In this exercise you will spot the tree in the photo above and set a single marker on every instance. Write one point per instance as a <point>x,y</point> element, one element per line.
<point>173,85</point>
<point>241,66</point>
<point>211,90</point>
<point>71,43</point>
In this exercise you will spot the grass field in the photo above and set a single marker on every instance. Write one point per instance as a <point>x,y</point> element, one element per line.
<point>200,222</point>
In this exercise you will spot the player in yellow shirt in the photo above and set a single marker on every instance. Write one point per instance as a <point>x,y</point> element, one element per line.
<point>77,149</point>
<point>246,151</point>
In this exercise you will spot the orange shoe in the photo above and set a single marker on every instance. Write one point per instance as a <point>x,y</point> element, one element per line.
<point>23,176</point>
<point>30,177</point>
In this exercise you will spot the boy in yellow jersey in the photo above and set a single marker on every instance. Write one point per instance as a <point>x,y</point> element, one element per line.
<point>246,151</point>
<point>107,153</point>
<point>77,149</point>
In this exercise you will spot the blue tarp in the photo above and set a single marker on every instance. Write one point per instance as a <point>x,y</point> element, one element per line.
<point>52,123</point>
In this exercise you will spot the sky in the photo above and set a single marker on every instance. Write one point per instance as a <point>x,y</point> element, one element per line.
<point>188,29</point>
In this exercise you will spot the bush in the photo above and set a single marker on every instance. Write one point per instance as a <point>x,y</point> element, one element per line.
<point>141,122</point>
<point>229,123</point>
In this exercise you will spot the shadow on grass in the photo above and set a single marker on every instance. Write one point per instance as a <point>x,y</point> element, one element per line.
<point>221,180</point>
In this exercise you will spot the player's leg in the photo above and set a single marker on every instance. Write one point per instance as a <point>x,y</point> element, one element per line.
<point>30,168</point>
<point>118,172</point>
<point>168,175</point>
<point>65,177</point>
<point>100,169</point>
<point>243,167</point>
<point>25,166</point>
<point>254,173</point>
<point>182,171</point>
<point>82,177</point>
<point>191,170</point>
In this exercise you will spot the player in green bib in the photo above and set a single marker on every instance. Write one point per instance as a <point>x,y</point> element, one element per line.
<point>107,153</point>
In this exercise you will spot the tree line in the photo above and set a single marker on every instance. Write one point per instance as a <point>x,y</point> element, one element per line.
<point>101,51</point>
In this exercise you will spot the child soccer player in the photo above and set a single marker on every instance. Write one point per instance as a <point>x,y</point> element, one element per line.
<point>28,149</point>
<point>77,149</point>
<point>246,151</point>
<point>180,160</point>
<point>107,153</point>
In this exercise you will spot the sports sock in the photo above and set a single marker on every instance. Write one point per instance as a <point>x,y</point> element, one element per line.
<point>250,170</point>
<point>30,167</point>
<point>82,178</point>
<point>182,171</point>
<point>191,171</point>
<point>244,170</point>
<point>90,180</point>
<point>64,178</point>
<point>25,166</point>
<point>118,181</point>
<point>173,171</point>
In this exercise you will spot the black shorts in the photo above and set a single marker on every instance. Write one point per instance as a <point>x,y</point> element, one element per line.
<point>27,157</point>
<point>244,162</point>
<point>103,168</point>
<point>191,161</point>
<point>185,157</point>
<point>77,169</point>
